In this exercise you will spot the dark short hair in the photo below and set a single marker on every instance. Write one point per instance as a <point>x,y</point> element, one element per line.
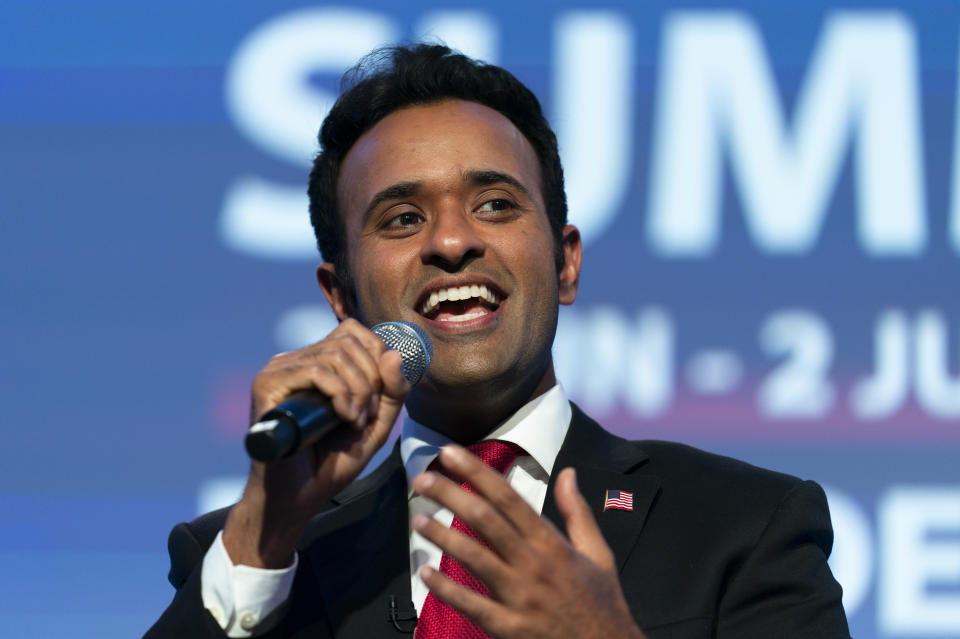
<point>393,78</point>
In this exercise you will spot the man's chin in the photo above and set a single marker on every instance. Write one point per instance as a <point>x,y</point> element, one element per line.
<point>475,380</point>
<point>469,376</point>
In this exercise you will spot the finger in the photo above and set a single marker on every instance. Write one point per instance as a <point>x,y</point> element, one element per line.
<point>362,345</point>
<point>474,511</point>
<point>482,563</point>
<point>581,527</point>
<point>343,387</point>
<point>274,386</point>
<point>348,328</point>
<point>373,344</point>
<point>329,368</point>
<point>378,416</point>
<point>493,487</point>
<point>483,611</point>
<point>363,354</point>
<point>369,364</point>
<point>349,351</point>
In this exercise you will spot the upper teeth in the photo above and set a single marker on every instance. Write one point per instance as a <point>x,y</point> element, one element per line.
<point>455,293</point>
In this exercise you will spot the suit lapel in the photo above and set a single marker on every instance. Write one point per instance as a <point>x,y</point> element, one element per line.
<point>604,462</point>
<point>363,558</point>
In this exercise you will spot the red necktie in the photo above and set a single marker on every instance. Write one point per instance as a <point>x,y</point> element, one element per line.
<point>437,619</point>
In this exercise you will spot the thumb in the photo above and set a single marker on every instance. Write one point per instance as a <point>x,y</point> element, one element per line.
<point>581,527</point>
<point>395,386</point>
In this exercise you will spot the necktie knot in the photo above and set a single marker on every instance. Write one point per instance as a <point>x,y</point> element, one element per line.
<point>496,454</point>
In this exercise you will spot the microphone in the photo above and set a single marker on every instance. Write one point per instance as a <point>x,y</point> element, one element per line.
<point>307,416</point>
<point>395,617</point>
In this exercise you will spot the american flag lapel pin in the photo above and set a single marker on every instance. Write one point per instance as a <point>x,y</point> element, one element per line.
<point>618,500</point>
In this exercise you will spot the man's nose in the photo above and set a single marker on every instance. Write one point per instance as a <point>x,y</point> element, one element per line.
<point>452,239</point>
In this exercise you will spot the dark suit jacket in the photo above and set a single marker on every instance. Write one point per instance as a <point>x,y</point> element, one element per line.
<point>713,547</point>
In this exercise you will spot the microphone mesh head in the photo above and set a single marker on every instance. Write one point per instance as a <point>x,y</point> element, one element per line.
<point>411,342</point>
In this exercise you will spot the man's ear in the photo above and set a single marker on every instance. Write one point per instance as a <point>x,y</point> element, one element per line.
<point>335,291</point>
<point>572,257</point>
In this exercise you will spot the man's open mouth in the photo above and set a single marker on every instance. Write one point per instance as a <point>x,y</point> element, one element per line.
<point>460,303</point>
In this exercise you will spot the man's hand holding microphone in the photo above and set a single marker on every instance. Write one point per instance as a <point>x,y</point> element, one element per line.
<point>364,382</point>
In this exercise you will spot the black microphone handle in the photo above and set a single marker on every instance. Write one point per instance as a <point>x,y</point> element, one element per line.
<point>301,420</point>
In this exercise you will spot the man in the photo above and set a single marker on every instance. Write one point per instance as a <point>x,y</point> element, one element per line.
<point>438,199</point>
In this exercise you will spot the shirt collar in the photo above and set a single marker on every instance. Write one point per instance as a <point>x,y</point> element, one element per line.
<point>538,427</point>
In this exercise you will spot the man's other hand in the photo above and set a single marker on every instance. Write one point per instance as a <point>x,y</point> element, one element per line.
<point>541,584</point>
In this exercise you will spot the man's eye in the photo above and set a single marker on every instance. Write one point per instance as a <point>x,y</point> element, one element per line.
<point>403,220</point>
<point>498,204</point>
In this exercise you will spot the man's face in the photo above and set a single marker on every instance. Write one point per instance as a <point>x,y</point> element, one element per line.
<point>446,227</point>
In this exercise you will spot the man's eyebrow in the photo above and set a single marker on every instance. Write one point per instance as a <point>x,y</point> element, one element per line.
<point>393,192</point>
<point>490,177</point>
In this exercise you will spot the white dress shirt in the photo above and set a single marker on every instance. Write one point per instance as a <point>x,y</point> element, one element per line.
<point>240,596</point>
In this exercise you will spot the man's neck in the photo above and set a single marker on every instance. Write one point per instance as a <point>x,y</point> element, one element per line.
<point>467,414</point>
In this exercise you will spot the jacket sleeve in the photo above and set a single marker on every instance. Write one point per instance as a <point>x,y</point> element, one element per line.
<point>784,587</point>
<point>185,616</point>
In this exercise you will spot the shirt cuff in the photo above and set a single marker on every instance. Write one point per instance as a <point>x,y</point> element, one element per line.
<point>240,597</point>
